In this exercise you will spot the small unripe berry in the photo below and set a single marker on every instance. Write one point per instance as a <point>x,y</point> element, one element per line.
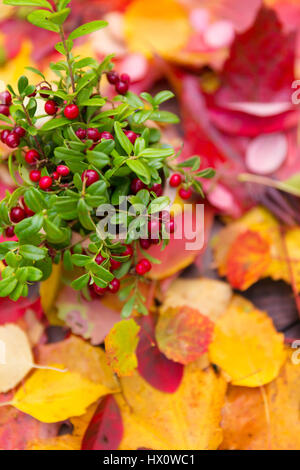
<point>50,107</point>
<point>10,232</point>
<point>122,87</point>
<point>32,156</point>
<point>63,170</point>
<point>35,175</point>
<point>175,180</point>
<point>114,264</point>
<point>90,177</point>
<point>185,193</point>
<point>106,136</point>
<point>132,136</point>
<point>4,109</point>
<point>45,182</point>
<point>93,134</point>
<point>12,140</point>
<point>112,77</point>
<point>71,111</point>
<point>114,286</point>
<point>17,214</point>
<point>5,98</point>
<point>20,131</point>
<point>136,185</point>
<point>81,133</point>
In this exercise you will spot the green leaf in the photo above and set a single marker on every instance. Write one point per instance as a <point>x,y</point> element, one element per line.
<point>34,274</point>
<point>17,292</point>
<point>54,123</point>
<point>159,204</point>
<point>35,200</point>
<point>87,28</point>
<point>28,3</point>
<point>40,18</point>
<point>84,215</point>
<point>67,260</point>
<point>34,70</point>
<point>32,252</point>
<point>60,47</point>
<point>162,96</point>
<point>27,228</point>
<point>157,153</point>
<point>128,307</point>
<point>80,282</point>
<point>7,286</point>
<point>6,246</point>
<point>59,17</point>
<point>164,116</point>
<point>98,159</point>
<point>80,260</point>
<point>140,169</point>
<point>22,84</point>
<point>123,140</point>
<point>54,233</point>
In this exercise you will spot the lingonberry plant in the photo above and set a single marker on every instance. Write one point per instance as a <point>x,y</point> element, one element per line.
<point>91,151</point>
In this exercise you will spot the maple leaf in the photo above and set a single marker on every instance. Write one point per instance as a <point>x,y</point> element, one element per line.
<point>120,347</point>
<point>183,334</point>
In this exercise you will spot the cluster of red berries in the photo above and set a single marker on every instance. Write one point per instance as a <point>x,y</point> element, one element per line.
<point>17,214</point>
<point>5,102</point>
<point>12,138</point>
<point>155,225</point>
<point>175,181</point>
<point>121,82</point>
<point>93,134</point>
<point>137,185</point>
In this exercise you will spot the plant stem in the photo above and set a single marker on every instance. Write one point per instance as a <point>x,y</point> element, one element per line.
<point>39,147</point>
<point>281,186</point>
<point>62,35</point>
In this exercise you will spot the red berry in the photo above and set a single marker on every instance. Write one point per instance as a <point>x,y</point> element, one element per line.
<point>12,140</point>
<point>185,193</point>
<point>132,136</point>
<point>106,135</point>
<point>28,211</point>
<point>32,94</point>
<point>45,182</point>
<point>44,95</point>
<point>145,243</point>
<point>170,226</point>
<point>128,251</point>
<point>10,231</point>
<point>5,98</point>
<point>114,264</point>
<point>99,259</point>
<point>155,241</point>
<point>122,87</point>
<point>50,107</point>
<point>154,228</point>
<point>71,111</point>
<point>143,266</point>
<point>114,285</point>
<point>157,189</point>
<point>125,78</point>
<point>175,180</point>
<point>81,133</point>
<point>35,175</point>
<point>63,170</point>
<point>55,175</point>
<point>112,77</point>
<point>4,134</point>
<point>93,134</point>
<point>17,214</point>
<point>32,156</point>
<point>136,185</point>
<point>99,290</point>
<point>4,109</point>
<point>90,176</point>
<point>20,131</point>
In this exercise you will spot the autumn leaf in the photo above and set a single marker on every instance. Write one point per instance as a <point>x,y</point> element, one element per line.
<point>247,259</point>
<point>120,347</point>
<point>49,289</point>
<point>183,334</point>
<point>246,345</point>
<point>16,358</point>
<point>265,418</point>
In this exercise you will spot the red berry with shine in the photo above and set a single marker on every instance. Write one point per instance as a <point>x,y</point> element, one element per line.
<point>10,232</point>
<point>114,286</point>
<point>128,251</point>
<point>157,189</point>
<point>114,264</point>
<point>175,180</point>
<point>185,193</point>
<point>35,175</point>
<point>81,133</point>
<point>55,175</point>
<point>5,98</point>
<point>50,107</point>
<point>143,266</point>
<point>44,95</point>
<point>71,111</point>
<point>125,78</point>
<point>90,176</point>
<point>132,136</point>
<point>112,77</point>
<point>99,290</point>
<point>4,134</point>
<point>45,182</point>
<point>32,156</point>
<point>136,185</point>
<point>63,170</point>
<point>93,134</point>
<point>28,211</point>
<point>145,243</point>
<point>99,259</point>
<point>4,109</point>
<point>106,136</point>
<point>122,87</point>
<point>17,214</point>
<point>170,226</point>
<point>20,131</point>
<point>12,140</point>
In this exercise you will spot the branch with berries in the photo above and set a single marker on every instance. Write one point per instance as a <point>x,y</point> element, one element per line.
<point>90,152</point>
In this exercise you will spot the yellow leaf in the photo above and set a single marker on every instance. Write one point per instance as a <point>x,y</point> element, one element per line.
<point>11,71</point>
<point>158,26</point>
<point>15,356</point>
<point>187,419</point>
<point>52,396</point>
<point>67,442</point>
<point>246,345</point>
<point>120,347</point>
<point>49,289</point>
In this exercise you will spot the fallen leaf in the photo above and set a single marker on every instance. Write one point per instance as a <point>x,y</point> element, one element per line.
<point>183,334</point>
<point>16,358</point>
<point>120,346</point>
<point>49,289</point>
<point>246,345</point>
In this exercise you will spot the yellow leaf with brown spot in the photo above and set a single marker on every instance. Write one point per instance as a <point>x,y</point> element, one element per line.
<point>265,418</point>
<point>120,347</point>
<point>246,345</point>
<point>186,419</point>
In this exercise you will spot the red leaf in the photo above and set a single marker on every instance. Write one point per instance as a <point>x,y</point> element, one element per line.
<point>105,430</point>
<point>153,366</point>
<point>11,311</point>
